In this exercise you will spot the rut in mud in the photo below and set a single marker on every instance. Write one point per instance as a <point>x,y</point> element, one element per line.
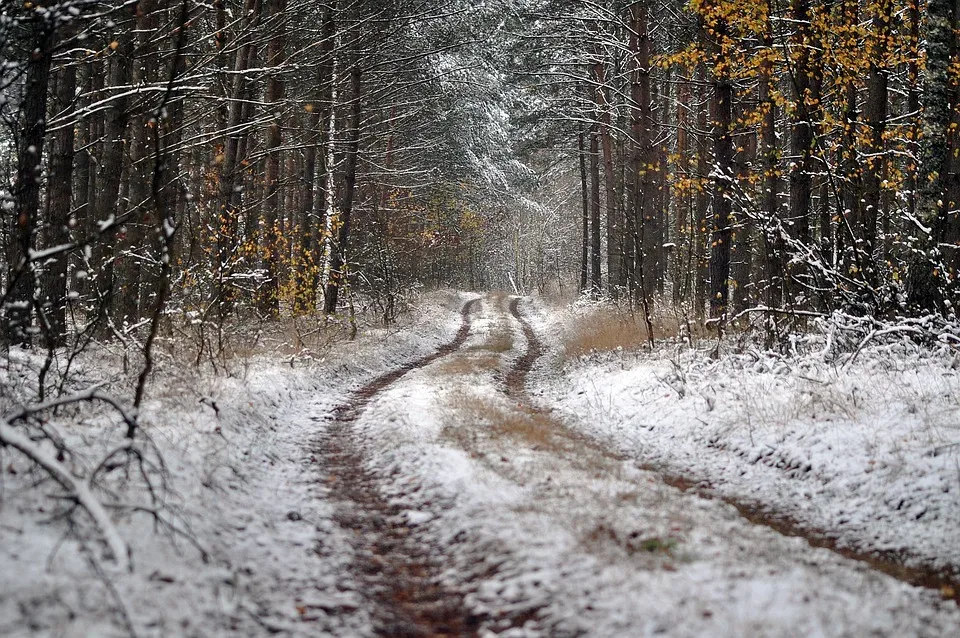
<point>402,573</point>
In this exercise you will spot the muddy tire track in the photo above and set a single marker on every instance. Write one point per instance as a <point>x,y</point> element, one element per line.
<point>515,386</point>
<point>401,569</point>
<point>516,380</point>
<point>894,564</point>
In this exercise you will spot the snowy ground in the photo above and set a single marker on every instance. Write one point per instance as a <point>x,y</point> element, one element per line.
<point>545,526</point>
<point>866,449</point>
<point>241,481</point>
<point>528,491</point>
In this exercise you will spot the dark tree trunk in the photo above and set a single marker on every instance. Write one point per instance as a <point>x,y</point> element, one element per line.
<point>311,215</point>
<point>773,248</point>
<point>806,83</point>
<point>60,188</point>
<point>851,189</point>
<point>913,104</point>
<point>338,274</point>
<point>723,177</point>
<point>596,285</point>
<point>875,116</point>
<point>614,226</point>
<point>228,224</point>
<point>110,178</point>
<point>21,278</point>
<point>646,220</point>
<point>701,232</point>
<point>947,228</point>
<point>134,246</point>
<point>273,216</point>
<point>585,212</point>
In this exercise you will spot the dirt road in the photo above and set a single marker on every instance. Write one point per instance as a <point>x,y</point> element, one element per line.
<point>476,512</point>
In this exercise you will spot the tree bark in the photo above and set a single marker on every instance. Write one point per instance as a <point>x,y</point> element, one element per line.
<point>723,175</point>
<point>596,285</point>
<point>773,248</point>
<point>585,211</point>
<point>806,80</point>
<point>875,116</point>
<point>21,278</point>
<point>228,224</point>
<point>614,226</point>
<point>273,216</point>
<point>338,274</point>
<point>110,177</point>
<point>53,287</point>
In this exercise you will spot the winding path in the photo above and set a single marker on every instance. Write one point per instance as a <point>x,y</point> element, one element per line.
<point>406,573</point>
<point>402,574</point>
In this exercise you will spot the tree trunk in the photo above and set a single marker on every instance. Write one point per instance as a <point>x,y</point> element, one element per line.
<point>585,208</point>
<point>702,203</point>
<point>723,178</point>
<point>53,287</point>
<point>614,226</point>
<point>596,285</point>
<point>875,116</point>
<point>773,248</point>
<point>338,274</point>
<point>110,178</point>
<point>806,84</point>
<point>273,217</point>
<point>228,224</point>
<point>20,280</point>
<point>947,229</point>
<point>646,220</point>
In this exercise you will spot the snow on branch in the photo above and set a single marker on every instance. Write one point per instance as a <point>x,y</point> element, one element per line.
<point>78,489</point>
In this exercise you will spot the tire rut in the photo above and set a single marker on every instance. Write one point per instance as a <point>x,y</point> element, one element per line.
<point>402,570</point>
<point>945,581</point>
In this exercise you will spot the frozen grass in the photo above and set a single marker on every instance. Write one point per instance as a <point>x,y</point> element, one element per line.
<point>603,330</point>
<point>860,447</point>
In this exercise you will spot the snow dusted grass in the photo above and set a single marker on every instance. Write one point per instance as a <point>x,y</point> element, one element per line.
<point>259,551</point>
<point>603,330</point>
<point>597,328</point>
<point>860,448</point>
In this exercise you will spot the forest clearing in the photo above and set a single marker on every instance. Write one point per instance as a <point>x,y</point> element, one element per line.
<point>454,318</point>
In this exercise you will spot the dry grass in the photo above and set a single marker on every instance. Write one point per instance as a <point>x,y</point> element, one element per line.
<point>604,330</point>
<point>608,328</point>
<point>477,415</point>
<point>496,344</point>
<point>469,363</point>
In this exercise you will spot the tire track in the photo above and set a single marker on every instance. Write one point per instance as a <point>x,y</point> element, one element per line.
<point>516,380</point>
<point>945,581</point>
<point>399,566</point>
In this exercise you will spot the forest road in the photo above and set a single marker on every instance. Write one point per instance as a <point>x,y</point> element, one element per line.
<point>479,511</point>
<point>401,575</point>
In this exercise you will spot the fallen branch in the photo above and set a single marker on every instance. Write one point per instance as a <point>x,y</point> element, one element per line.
<point>77,488</point>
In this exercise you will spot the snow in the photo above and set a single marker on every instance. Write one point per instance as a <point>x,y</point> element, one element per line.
<point>542,511</point>
<point>863,450</point>
<point>553,535</point>
<point>238,451</point>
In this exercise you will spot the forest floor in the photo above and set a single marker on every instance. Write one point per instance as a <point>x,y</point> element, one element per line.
<point>468,474</point>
